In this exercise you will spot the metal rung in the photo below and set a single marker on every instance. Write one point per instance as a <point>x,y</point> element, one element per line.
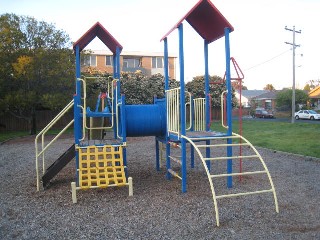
<point>212,138</point>
<point>243,194</point>
<point>237,174</point>
<point>173,173</point>
<point>224,145</point>
<point>175,159</point>
<point>231,157</point>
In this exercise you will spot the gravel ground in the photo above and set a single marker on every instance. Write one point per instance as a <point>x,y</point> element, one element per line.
<point>158,209</point>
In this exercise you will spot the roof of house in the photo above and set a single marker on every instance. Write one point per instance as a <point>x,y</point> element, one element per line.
<point>267,95</point>
<point>97,30</point>
<point>315,93</point>
<point>253,93</point>
<point>206,20</point>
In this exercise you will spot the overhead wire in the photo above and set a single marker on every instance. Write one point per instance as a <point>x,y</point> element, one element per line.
<point>269,60</point>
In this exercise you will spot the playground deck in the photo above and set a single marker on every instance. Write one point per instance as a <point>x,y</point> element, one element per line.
<point>158,209</point>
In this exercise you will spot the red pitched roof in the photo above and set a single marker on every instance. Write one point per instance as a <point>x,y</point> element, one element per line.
<point>206,19</point>
<point>97,30</point>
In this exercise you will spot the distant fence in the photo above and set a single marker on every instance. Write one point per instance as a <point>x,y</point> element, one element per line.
<point>11,123</point>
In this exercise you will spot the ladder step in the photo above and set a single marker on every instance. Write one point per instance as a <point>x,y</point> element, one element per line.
<point>231,157</point>
<point>223,145</point>
<point>175,159</point>
<point>173,173</point>
<point>237,174</point>
<point>243,194</point>
<point>212,138</point>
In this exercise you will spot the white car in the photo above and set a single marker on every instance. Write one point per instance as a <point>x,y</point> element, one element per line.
<point>307,114</point>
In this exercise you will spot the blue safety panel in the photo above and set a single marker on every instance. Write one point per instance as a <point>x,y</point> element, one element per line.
<point>145,120</point>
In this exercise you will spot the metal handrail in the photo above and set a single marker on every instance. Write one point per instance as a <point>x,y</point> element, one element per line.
<point>222,109</point>
<point>190,111</point>
<point>42,134</point>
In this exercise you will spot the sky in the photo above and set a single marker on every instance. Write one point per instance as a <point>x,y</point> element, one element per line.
<point>257,42</point>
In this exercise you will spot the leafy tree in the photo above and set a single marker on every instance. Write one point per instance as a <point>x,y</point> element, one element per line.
<point>284,98</point>
<point>140,89</point>
<point>269,87</point>
<point>236,85</point>
<point>197,85</point>
<point>307,87</point>
<point>312,84</point>
<point>36,67</point>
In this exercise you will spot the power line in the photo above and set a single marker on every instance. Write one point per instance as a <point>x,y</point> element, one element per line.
<point>269,60</point>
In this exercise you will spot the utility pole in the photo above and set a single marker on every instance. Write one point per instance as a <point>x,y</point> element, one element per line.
<point>294,45</point>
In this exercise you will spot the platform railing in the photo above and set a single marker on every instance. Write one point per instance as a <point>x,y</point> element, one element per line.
<point>199,114</point>
<point>173,110</point>
<point>45,147</point>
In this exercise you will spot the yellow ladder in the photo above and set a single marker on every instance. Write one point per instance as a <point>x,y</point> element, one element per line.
<point>101,167</point>
<point>210,176</point>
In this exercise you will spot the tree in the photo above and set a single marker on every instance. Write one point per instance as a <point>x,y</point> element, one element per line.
<point>197,85</point>
<point>236,85</point>
<point>140,89</point>
<point>36,67</point>
<point>269,87</point>
<point>312,84</point>
<point>284,97</point>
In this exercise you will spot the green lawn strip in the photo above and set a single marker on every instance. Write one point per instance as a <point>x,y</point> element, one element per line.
<point>298,138</point>
<point>7,135</point>
<point>4,136</point>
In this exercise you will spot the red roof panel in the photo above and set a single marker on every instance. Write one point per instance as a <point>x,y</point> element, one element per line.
<point>206,19</point>
<point>97,30</point>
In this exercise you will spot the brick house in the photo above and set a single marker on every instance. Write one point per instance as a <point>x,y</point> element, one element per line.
<point>258,98</point>
<point>148,62</point>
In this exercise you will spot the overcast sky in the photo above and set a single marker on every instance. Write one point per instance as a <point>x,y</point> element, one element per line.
<point>257,43</point>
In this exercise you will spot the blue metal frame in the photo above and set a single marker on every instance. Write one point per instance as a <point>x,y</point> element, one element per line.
<point>182,112</point>
<point>207,92</point>
<point>229,105</point>
<point>77,112</point>
<point>166,86</point>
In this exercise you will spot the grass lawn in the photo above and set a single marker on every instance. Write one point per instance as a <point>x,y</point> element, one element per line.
<point>6,135</point>
<point>299,138</point>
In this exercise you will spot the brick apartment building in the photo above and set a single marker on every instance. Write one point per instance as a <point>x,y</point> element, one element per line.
<point>148,62</point>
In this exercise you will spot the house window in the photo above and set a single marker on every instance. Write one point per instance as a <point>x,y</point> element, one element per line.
<point>268,104</point>
<point>131,62</point>
<point>89,60</point>
<point>157,62</point>
<point>109,60</point>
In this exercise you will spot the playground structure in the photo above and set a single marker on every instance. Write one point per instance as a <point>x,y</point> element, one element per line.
<point>102,162</point>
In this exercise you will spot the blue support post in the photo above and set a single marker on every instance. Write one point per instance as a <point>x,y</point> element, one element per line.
<point>77,113</point>
<point>166,87</point>
<point>114,94</point>
<point>229,105</point>
<point>207,92</point>
<point>192,156</point>
<point>182,112</point>
<point>157,155</point>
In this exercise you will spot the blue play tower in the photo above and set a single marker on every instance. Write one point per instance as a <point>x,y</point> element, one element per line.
<point>103,163</point>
